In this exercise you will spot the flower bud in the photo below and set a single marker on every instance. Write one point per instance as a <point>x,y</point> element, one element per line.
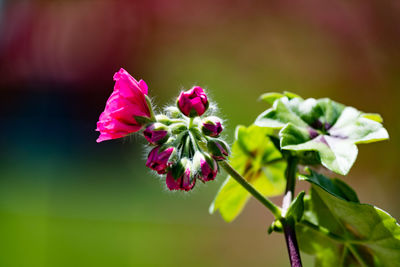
<point>156,133</point>
<point>204,166</point>
<point>173,112</point>
<point>180,177</point>
<point>163,119</point>
<point>193,102</point>
<point>218,149</point>
<point>159,160</point>
<point>212,126</point>
<point>177,128</point>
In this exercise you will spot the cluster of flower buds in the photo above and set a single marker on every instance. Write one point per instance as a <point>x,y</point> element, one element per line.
<point>186,145</point>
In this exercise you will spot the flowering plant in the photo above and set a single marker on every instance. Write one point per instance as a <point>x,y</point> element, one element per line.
<point>284,145</point>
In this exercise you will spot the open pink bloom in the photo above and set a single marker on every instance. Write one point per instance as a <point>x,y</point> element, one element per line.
<point>158,161</point>
<point>184,182</point>
<point>193,102</point>
<point>125,103</point>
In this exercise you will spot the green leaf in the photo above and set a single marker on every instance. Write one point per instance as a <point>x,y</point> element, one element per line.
<point>296,208</point>
<point>280,114</point>
<point>335,187</point>
<point>340,232</point>
<point>291,95</point>
<point>323,126</point>
<point>255,157</point>
<point>353,125</point>
<point>271,97</point>
<point>336,154</point>
<point>374,117</point>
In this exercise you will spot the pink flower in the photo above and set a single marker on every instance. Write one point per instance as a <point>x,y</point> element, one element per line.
<point>127,101</point>
<point>158,161</point>
<point>193,102</point>
<point>183,182</point>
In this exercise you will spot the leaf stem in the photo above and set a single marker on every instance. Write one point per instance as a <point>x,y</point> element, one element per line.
<point>323,231</point>
<point>288,225</point>
<point>357,256</point>
<point>242,181</point>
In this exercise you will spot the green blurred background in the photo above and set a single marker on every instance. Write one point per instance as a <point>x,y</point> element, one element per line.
<point>67,201</point>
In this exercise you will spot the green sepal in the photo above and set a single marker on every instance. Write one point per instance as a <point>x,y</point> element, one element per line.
<point>173,112</point>
<point>179,168</point>
<point>178,128</point>
<point>143,120</point>
<point>163,119</point>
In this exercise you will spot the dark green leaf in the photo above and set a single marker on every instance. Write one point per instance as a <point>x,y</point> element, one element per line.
<point>334,186</point>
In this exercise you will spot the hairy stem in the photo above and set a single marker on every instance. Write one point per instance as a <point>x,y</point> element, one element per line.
<point>242,181</point>
<point>191,122</point>
<point>288,225</point>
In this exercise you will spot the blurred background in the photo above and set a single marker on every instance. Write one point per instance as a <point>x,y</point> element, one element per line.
<point>67,201</point>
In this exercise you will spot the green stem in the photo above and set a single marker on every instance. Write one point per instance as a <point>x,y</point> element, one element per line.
<point>191,122</point>
<point>357,256</point>
<point>290,174</point>
<point>343,257</point>
<point>242,181</point>
<point>323,231</point>
<point>288,224</point>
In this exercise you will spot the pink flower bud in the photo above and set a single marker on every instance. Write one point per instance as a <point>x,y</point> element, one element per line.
<point>206,168</point>
<point>218,149</point>
<point>156,133</point>
<point>180,177</point>
<point>212,126</point>
<point>193,102</point>
<point>159,161</point>
<point>127,101</point>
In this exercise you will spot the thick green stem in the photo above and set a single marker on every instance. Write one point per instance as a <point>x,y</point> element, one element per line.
<point>242,181</point>
<point>288,224</point>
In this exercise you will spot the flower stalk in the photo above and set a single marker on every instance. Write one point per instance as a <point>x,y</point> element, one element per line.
<point>242,181</point>
<point>288,224</point>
